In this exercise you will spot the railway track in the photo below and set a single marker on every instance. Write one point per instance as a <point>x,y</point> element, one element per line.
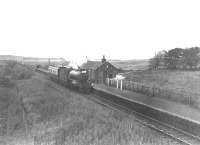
<point>168,131</point>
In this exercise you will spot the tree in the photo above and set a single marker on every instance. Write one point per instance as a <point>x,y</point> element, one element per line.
<point>153,63</point>
<point>173,58</point>
<point>191,57</point>
<point>158,60</point>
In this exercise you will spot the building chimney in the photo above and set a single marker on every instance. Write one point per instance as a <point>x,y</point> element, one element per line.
<point>103,59</point>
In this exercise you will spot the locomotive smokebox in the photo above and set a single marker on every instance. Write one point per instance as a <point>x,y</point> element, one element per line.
<point>75,75</point>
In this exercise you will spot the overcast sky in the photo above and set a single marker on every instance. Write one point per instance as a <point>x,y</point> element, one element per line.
<point>74,29</point>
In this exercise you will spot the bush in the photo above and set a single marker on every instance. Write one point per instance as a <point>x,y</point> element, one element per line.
<point>6,82</point>
<point>8,68</point>
<point>20,73</point>
<point>16,71</point>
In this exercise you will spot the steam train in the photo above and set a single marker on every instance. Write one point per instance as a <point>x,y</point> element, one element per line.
<point>71,78</point>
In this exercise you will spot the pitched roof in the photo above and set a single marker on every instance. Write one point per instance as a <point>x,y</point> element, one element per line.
<point>94,64</point>
<point>91,64</point>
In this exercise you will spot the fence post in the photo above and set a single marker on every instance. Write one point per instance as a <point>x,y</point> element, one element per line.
<point>60,137</point>
<point>159,91</point>
<point>125,85</point>
<point>35,140</point>
<point>132,86</point>
<point>137,88</point>
<point>121,85</point>
<point>142,89</point>
<point>189,100</point>
<point>153,91</point>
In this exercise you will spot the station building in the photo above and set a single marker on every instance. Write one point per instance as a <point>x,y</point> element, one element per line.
<point>100,70</point>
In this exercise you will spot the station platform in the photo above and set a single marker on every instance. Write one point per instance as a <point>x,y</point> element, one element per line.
<point>180,110</point>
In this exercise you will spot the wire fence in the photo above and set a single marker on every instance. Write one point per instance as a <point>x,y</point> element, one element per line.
<point>188,98</point>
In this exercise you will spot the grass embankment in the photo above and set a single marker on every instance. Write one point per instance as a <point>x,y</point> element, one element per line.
<point>11,109</point>
<point>178,84</point>
<point>49,107</point>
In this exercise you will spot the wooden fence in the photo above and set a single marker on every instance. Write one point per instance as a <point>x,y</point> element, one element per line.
<point>184,97</point>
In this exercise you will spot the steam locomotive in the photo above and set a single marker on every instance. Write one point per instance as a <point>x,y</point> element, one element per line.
<point>71,78</point>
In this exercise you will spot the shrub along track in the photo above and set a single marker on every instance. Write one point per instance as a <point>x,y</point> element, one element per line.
<point>166,130</point>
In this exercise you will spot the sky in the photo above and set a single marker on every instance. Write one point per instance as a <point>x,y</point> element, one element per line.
<point>119,29</point>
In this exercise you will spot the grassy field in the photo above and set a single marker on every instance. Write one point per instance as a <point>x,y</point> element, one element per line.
<point>177,82</point>
<point>49,107</point>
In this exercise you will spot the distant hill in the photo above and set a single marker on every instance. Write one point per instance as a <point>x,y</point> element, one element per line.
<point>31,60</point>
<point>127,65</point>
<point>10,57</point>
<point>140,64</point>
<point>21,58</point>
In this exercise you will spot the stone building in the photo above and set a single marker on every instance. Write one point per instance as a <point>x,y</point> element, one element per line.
<point>100,70</point>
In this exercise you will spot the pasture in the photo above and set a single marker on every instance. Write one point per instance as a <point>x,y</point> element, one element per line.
<point>185,83</point>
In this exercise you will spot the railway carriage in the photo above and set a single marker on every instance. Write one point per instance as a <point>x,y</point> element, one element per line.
<point>53,73</point>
